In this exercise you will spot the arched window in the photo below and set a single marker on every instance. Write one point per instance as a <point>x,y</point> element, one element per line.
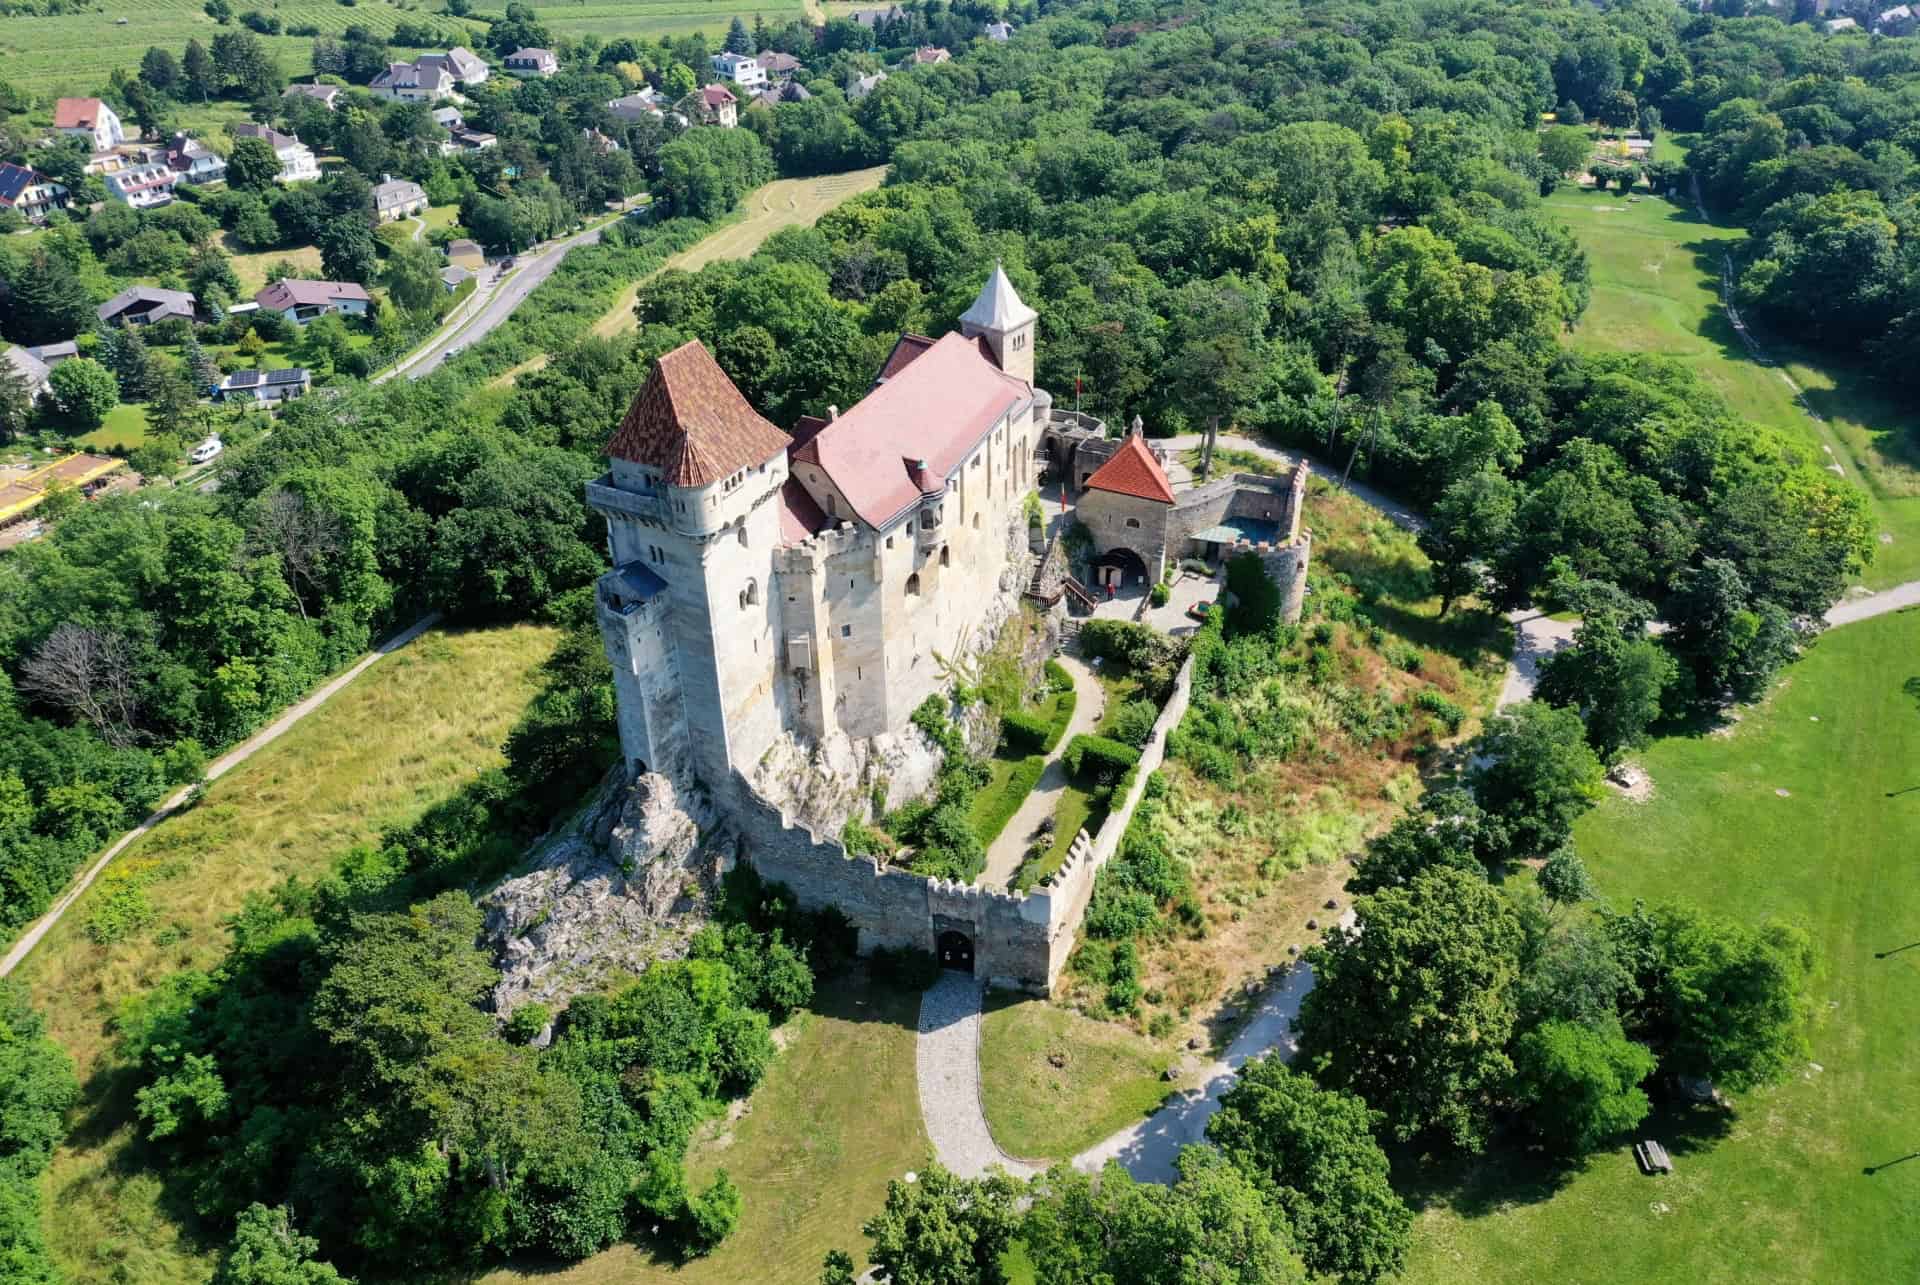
<point>976,519</point>
<point>741,528</point>
<point>1133,522</point>
<point>750,594</point>
<point>945,559</point>
<point>913,585</point>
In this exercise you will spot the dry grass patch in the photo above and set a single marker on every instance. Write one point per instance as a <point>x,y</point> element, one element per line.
<point>407,734</point>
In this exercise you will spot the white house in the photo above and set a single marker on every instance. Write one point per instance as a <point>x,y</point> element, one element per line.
<point>302,301</point>
<point>861,86</point>
<point>91,119</point>
<point>194,161</point>
<point>30,194</point>
<point>1838,25</point>
<point>397,198</point>
<point>297,161</point>
<point>527,63</point>
<point>1000,31</point>
<point>30,368</point>
<point>328,96</point>
<point>143,186</point>
<point>743,70</point>
<point>429,77</point>
<point>259,386</point>
<point>462,63</point>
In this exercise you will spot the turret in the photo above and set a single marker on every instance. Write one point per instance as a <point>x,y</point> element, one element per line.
<point>1007,324</point>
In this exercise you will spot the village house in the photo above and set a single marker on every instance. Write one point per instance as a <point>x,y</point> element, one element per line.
<point>789,91</point>
<point>297,161</point>
<point>449,118</point>
<point>91,119</point>
<point>999,31</point>
<point>928,56</point>
<point>531,63</point>
<point>712,105</point>
<point>599,143</point>
<point>636,106</point>
<point>328,96</point>
<point>741,70</point>
<point>462,63</point>
<point>31,371</point>
<point>144,305</point>
<point>776,64</point>
<point>467,140</point>
<point>264,386</point>
<point>453,276</point>
<point>144,186</point>
<point>429,77</point>
<point>301,301</point>
<point>194,161</point>
<point>30,195</point>
<point>872,18</point>
<point>861,86</point>
<point>397,198</point>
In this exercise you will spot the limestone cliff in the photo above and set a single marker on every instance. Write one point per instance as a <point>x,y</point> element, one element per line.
<point>628,883</point>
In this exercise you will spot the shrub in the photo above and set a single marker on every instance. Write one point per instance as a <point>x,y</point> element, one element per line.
<point>1133,722</point>
<point>1104,760</point>
<point>1158,595</point>
<point>526,1023</point>
<point>1123,980</point>
<point>1058,679</point>
<point>1449,714</point>
<point>1027,731</point>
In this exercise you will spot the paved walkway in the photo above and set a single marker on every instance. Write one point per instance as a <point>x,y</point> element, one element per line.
<point>221,766</point>
<point>1009,850</point>
<point>947,1060</point>
<point>1876,604</point>
<point>1535,637</point>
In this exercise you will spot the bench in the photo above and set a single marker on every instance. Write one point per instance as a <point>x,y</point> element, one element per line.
<point>1653,1157</point>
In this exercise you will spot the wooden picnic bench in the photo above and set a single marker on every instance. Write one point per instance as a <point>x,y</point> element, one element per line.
<point>1653,1157</point>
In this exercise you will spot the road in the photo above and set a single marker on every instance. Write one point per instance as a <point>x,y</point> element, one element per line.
<point>492,302</point>
<point>221,766</point>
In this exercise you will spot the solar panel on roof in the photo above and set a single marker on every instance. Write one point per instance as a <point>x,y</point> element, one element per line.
<point>293,376</point>
<point>243,379</point>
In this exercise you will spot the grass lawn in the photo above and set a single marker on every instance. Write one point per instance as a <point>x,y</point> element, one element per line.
<point>1011,780</point>
<point>255,270</point>
<point>1656,280</point>
<point>836,1118</point>
<point>444,704</point>
<point>125,426</point>
<point>1106,1079</point>
<point>1809,810</point>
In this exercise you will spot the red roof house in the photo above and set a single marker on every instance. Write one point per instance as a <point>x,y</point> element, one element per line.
<point>1133,471</point>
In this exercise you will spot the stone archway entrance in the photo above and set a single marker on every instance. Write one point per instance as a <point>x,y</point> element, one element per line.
<point>955,950</point>
<point>1119,567</point>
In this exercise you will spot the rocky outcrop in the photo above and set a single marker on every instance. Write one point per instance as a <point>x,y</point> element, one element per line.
<point>820,785</point>
<point>627,884</point>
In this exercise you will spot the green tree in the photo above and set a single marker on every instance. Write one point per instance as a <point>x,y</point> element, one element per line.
<point>739,39</point>
<point>1619,684</point>
<point>173,407</point>
<point>45,301</point>
<point>1581,1086</point>
<point>347,249</point>
<point>1450,829</point>
<point>252,166</point>
<point>267,1250</point>
<point>713,1214</point>
<point>943,1230</point>
<point>197,72</point>
<point>1470,525</point>
<point>244,65</point>
<point>1314,1150</point>
<point>678,81</point>
<point>1564,879</point>
<point>210,273</point>
<point>838,1269</point>
<point>83,392</point>
<point>1413,1006</point>
<point>1565,149</point>
<point>160,69</point>
<point>124,351</point>
<point>1733,645</point>
<point>1536,774</point>
<point>16,403</point>
<point>412,276</point>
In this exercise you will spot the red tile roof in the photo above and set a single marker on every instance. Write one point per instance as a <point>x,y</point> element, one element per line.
<point>936,409</point>
<point>717,96</point>
<point>76,113</point>
<point>292,292</point>
<point>905,349</point>
<point>1133,471</point>
<point>800,514</point>
<point>690,422</point>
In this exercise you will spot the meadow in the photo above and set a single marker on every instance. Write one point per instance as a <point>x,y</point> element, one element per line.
<point>74,53</point>
<point>1808,808</point>
<point>290,810</point>
<point>1656,282</point>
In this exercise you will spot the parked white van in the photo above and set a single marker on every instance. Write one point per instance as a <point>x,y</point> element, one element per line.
<point>206,450</point>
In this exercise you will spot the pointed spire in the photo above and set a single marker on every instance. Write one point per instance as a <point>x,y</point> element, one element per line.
<point>998,306</point>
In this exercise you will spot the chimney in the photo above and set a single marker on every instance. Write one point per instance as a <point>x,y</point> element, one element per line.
<point>833,413</point>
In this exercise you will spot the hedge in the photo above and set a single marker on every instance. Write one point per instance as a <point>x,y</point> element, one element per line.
<point>1024,730</point>
<point>1104,760</point>
<point>1063,715</point>
<point>992,811</point>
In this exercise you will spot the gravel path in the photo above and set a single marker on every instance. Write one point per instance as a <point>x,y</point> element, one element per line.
<point>947,1059</point>
<point>1535,637</point>
<point>1009,849</point>
<point>1876,604</point>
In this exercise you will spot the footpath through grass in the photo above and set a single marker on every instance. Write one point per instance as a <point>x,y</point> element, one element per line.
<point>1808,809</point>
<point>1656,288</point>
<point>407,734</point>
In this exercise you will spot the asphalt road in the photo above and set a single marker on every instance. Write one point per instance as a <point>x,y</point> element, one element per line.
<point>498,297</point>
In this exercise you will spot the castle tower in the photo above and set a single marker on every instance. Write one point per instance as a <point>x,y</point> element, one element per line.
<point>1007,324</point>
<point>689,612</point>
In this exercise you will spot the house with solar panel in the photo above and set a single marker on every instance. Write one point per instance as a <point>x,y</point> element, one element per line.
<point>264,387</point>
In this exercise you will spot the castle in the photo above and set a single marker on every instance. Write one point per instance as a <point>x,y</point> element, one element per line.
<point>764,583</point>
<point>769,588</point>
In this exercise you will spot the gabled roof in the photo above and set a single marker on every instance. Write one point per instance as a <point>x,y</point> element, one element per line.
<point>800,514</point>
<point>324,93</point>
<point>916,428</point>
<point>717,95</point>
<point>290,292</point>
<point>396,191</point>
<point>905,349</point>
<point>691,424</point>
<point>14,180</point>
<point>998,305</point>
<point>29,367</point>
<point>274,138</point>
<point>76,113</point>
<point>174,302</point>
<point>1133,471</point>
<point>774,60</point>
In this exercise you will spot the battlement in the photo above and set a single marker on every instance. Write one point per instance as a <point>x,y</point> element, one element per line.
<point>810,553</point>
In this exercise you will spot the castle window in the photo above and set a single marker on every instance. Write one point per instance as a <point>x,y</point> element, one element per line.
<point>945,559</point>
<point>846,631</point>
<point>750,594</point>
<point>913,585</point>
<point>976,520</point>
<point>889,542</point>
<point>742,525</point>
<point>1133,522</point>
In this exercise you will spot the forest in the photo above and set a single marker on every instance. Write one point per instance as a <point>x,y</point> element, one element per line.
<point>1323,227</point>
